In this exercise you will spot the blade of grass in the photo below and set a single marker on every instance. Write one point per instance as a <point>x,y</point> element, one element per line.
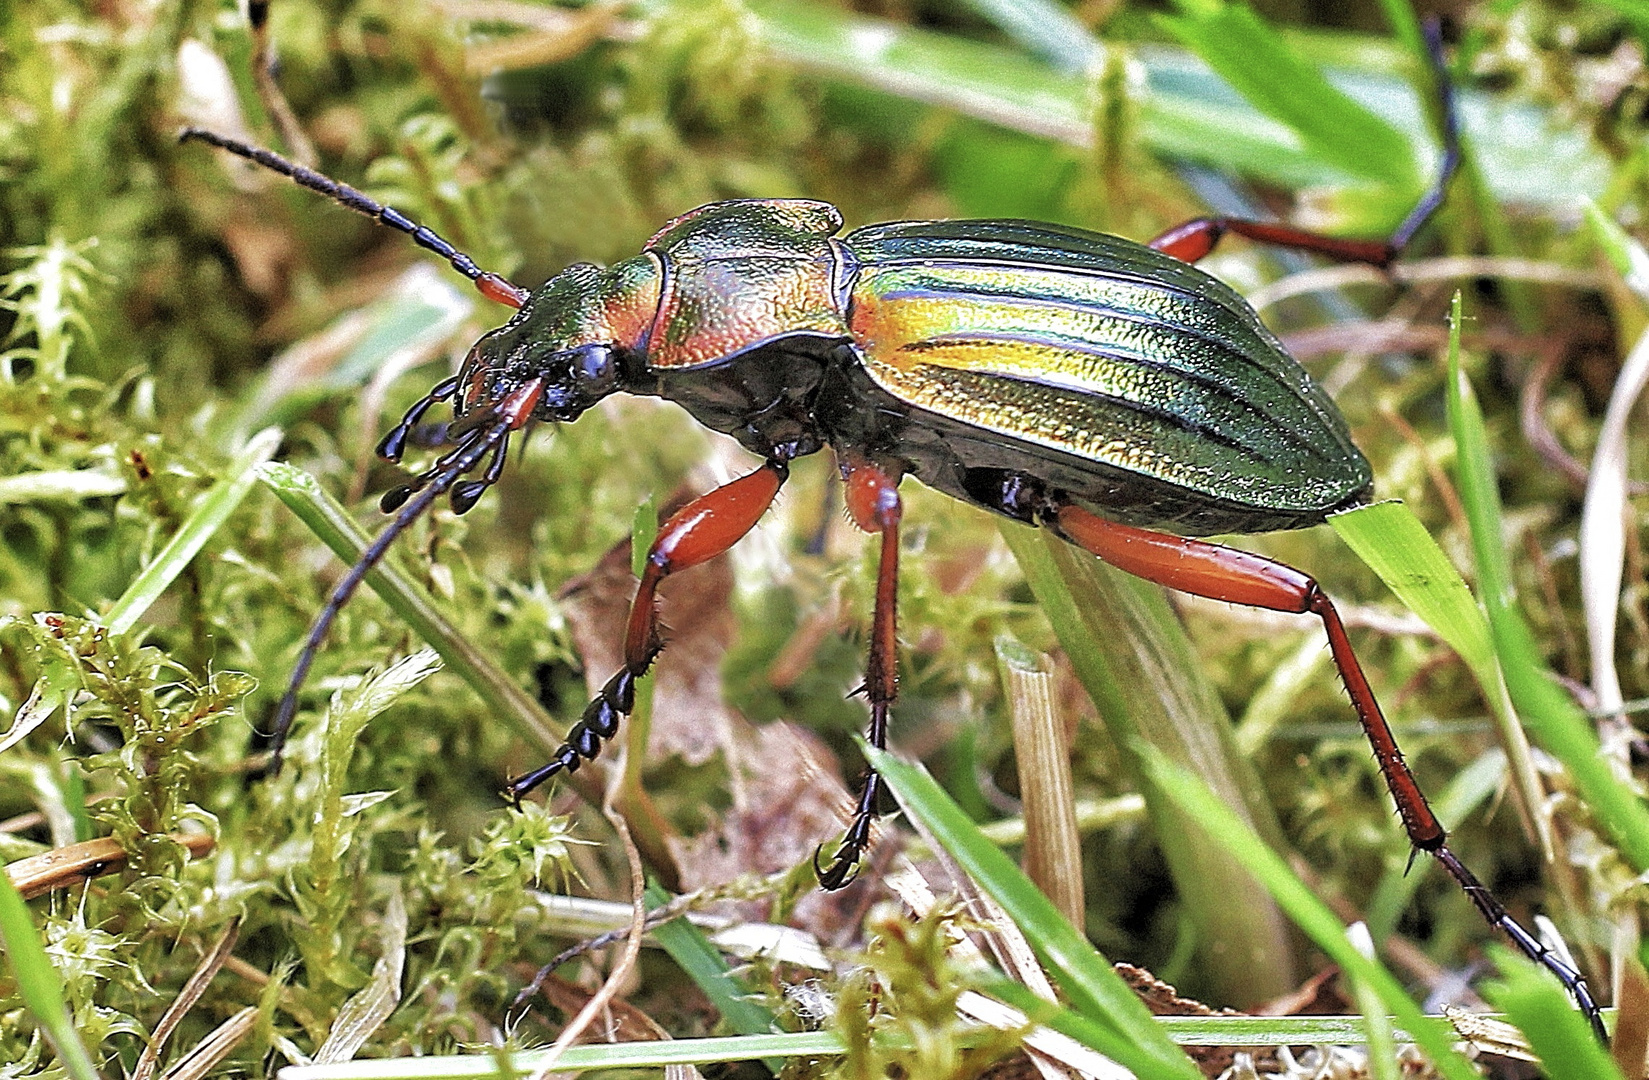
<point>1123,1028</point>
<point>38,983</point>
<point>1131,654</point>
<point>1604,513</point>
<point>1045,28</point>
<point>1390,539</point>
<point>1309,913</point>
<point>629,1055</point>
<point>328,519</point>
<point>1557,722</point>
<point>1188,113</point>
<point>1255,60</point>
<point>1382,1041</point>
<point>1625,254</point>
<point>1053,846</point>
<point>205,520</point>
<point>1208,1030</point>
<point>1558,1033</point>
<point>1189,1030</point>
<point>703,963</point>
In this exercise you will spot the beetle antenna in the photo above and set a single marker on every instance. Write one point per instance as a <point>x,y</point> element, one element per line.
<point>1450,120</point>
<point>503,418</point>
<point>492,286</point>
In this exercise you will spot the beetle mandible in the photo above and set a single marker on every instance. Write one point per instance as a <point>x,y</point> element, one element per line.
<point>1102,388</point>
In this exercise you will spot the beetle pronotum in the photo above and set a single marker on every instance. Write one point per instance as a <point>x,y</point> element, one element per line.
<point>1085,383</point>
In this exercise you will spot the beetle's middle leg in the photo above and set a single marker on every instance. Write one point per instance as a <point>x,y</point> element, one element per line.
<point>873,503</point>
<point>696,533</point>
<point>1240,577</point>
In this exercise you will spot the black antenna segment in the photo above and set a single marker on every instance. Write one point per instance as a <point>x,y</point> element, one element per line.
<point>492,286</point>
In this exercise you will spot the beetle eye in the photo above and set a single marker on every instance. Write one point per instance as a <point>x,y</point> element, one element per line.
<point>595,369</point>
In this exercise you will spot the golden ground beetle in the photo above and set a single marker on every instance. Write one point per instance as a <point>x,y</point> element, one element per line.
<point>1085,383</point>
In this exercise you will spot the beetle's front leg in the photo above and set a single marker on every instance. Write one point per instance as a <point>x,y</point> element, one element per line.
<point>1240,577</point>
<point>873,503</point>
<point>696,533</point>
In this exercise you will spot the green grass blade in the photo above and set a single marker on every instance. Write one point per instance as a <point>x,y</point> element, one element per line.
<point>333,524</point>
<point>1390,539</point>
<point>1123,1028</point>
<point>213,510</point>
<point>1190,1030</point>
<point>693,953</point>
<point>1543,1012</point>
<point>1045,28</point>
<point>1382,1040</point>
<point>1557,723</point>
<point>628,1055</point>
<point>1187,112</point>
<point>1130,652</point>
<point>1255,60</point>
<point>1309,913</point>
<point>38,983</point>
<point>1625,254</point>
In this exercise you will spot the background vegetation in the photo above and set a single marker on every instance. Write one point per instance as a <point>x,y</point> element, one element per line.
<point>172,320</point>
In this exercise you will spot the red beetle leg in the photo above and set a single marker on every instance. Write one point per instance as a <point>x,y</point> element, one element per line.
<point>699,531</point>
<point>1194,239</point>
<point>1240,577</point>
<point>873,503</point>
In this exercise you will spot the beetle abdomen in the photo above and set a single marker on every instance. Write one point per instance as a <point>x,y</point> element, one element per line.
<point>1095,356</point>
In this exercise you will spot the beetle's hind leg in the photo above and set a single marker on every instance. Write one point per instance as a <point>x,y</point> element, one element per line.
<point>1194,239</point>
<point>1239,577</point>
<point>699,531</point>
<point>873,503</point>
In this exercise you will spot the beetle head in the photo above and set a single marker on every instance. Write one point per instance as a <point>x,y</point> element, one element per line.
<point>559,336</point>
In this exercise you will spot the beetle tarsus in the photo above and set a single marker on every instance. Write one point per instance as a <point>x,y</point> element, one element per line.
<point>599,723</point>
<point>699,531</point>
<point>1529,945</point>
<point>844,865</point>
